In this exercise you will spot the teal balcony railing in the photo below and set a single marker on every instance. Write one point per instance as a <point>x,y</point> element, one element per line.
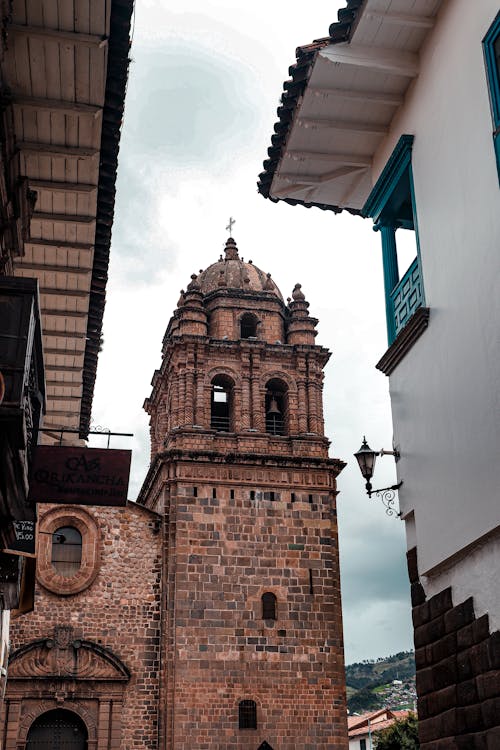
<point>407,296</point>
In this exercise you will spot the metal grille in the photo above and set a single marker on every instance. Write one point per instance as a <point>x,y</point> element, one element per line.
<point>275,424</point>
<point>57,730</point>
<point>268,606</point>
<point>247,715</point>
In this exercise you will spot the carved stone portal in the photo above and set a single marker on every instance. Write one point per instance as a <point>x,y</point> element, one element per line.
<point>64,656</point>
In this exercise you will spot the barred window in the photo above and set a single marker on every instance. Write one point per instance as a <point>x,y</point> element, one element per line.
<point>247,714</point>
<point>66,551</point>
<point>268,606</point>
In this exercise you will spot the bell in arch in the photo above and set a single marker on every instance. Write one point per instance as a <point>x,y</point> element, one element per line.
<point>273,407</point>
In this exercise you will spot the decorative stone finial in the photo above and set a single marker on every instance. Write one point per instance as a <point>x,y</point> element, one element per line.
<point>297,294</point>
<point>194,284</point>
<point>231,250</point>
<point>268,284</point>
<point>181,299</point>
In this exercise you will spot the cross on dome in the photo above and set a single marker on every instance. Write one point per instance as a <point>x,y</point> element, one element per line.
<point>230,225</point>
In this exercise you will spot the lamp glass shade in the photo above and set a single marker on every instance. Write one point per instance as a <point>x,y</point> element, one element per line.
<point>366,460</point>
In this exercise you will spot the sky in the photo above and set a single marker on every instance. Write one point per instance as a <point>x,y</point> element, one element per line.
<point>204,84</point>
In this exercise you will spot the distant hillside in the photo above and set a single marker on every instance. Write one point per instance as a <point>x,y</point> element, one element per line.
<point>369,683</point>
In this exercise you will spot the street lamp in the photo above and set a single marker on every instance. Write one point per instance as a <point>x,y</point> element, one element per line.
<point>366,458</point>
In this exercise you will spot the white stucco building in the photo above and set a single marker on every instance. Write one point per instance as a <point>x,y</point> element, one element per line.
<point>395,117</point>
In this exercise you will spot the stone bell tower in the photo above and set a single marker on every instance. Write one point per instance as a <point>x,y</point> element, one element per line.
<point>252,651</point>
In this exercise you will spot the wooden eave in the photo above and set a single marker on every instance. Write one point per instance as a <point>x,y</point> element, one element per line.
<point>65,72</point>
<point>336,115</point>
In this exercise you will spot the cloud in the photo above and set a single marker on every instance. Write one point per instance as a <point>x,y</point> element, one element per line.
<point>200,107</point>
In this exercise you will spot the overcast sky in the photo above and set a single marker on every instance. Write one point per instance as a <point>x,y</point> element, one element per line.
<point>205,82</point>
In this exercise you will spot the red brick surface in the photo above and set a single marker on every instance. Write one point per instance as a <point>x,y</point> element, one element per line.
<point>119,612</point>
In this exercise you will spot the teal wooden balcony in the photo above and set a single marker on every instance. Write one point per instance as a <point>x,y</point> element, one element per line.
<point>407,296</point>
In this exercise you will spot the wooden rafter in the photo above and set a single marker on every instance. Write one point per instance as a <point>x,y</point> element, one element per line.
<point>87,40</point>
<point>380,59</point>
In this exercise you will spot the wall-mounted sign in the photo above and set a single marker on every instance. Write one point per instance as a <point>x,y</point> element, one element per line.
<point>86,476</point>
<point>24,543</point>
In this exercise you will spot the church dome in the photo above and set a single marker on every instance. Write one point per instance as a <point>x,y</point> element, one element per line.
<point>232,272</point>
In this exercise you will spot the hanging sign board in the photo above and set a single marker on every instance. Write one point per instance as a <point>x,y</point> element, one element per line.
<point>24,541</point>
<point>85,476</point>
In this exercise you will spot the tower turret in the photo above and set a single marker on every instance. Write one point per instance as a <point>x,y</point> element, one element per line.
<point>239,466</point>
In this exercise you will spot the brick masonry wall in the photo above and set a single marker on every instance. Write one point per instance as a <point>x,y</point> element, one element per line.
<point>224,552</point>
<point>120,611</point>
<point>458,671</point>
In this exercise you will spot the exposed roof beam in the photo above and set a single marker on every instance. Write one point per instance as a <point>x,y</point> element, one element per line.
<point>63,397</point>
<point>62,383</point>
<point>64,313</point>
<point>346,197</point>
<point>58,187</point>
<point>64,293</point>
<point>66,218</point>
<point>284,192</point>
<point>402,19</point>
<point>381,59</point>
<point>88,40</point>
<point>51,149</point>
<point>64,352</point>
<point>57,412</point>
<point>313,179</point>
<point>29,266</point>
<point>60,105</point>
<point>40,242</point>
<point>395,100</point>
<point>353,159</point>
<point>353,127</point>
<point>63,368</point>
<point>65,334</point>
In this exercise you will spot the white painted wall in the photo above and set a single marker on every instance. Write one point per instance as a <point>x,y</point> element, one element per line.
<point>446,392</point>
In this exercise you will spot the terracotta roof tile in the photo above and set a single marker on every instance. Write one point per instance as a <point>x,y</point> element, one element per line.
<point>339,31</point>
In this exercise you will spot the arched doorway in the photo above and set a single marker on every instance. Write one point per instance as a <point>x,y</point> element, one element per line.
<point>57,730</point>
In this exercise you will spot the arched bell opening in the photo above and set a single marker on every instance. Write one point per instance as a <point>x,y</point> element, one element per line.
<point>276,407</point>
<point>249,326</point>
<point>222,403</point>
<point>57,730</point>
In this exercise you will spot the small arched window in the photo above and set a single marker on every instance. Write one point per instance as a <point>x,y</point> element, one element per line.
<point>269,606</point>
<point>247,714</point>
<point>276,407</point>
<point>221,404</point>
<point>66,555</point>
<point>248,326</point>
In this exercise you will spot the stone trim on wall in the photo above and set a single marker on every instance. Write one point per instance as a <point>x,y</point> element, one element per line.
<point>458,671</point>
<point>47,575</point>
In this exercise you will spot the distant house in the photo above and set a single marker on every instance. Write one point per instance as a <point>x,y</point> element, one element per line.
<point>362,729</point>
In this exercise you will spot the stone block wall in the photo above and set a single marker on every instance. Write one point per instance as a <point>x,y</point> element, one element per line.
<point>230,543</point>
<point>458,671</point>
<point>117,614</point>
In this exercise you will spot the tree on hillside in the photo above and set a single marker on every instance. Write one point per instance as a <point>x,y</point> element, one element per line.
<point>402,735</point>
<point>363,700</point>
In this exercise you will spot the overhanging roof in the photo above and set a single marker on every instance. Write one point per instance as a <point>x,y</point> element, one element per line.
<point>337,108</point>
<point>66,70</point>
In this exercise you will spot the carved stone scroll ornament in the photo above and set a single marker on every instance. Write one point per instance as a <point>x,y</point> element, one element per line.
<point>63,656</point>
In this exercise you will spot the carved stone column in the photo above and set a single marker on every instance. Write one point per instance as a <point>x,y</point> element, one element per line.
<point>258,417</point>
